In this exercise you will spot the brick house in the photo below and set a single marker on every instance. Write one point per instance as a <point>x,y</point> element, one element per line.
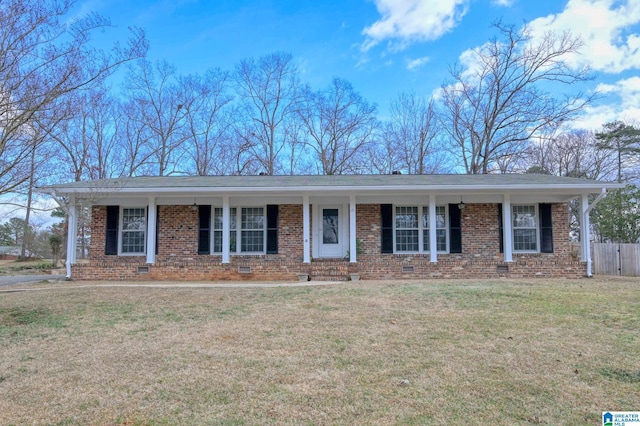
<point>330,227</point>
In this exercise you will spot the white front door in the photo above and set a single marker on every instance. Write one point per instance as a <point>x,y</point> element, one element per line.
<point>331,236</point>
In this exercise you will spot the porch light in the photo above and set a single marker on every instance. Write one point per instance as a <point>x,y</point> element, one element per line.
<point>461,204</point>
<point>194,206</point>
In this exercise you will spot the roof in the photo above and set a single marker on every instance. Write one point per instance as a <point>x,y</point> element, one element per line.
<point>183,184</point>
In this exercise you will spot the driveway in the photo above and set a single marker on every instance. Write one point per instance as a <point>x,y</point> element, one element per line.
<point>21,279</point>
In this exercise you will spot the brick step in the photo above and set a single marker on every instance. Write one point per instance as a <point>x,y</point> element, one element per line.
<point>329,278</point>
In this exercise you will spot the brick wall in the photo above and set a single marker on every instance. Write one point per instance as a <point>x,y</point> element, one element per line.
<point>177,258</point>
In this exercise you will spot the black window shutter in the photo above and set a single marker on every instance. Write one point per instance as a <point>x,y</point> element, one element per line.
<point>157,226</point>
<point>111,236</point>
<point>455,229</point>
<point>204,229</point>
<point>546,228</point>
<point>500,228</point>
<point>386,214</point>
<point>272,229</point>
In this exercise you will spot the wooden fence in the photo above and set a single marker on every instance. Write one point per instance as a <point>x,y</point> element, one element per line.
<point>616,259</point>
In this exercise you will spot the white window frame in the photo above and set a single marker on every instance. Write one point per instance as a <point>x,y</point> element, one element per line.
<point>536,227</point>
<point>122,231</point>
<point>421,228</point>
<point>237,232</point>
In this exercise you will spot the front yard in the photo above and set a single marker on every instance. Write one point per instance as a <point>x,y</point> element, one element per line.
<point>368,352</point>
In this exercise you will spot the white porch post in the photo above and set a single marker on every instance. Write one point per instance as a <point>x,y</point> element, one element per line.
<point>433,240</point>
<point>353,244</point>
<point>226,229</point>
<point>72,235</point>
<point>585,246</point>
<point>151,230</point>
<point>506,228</point>
<point>306,230</point>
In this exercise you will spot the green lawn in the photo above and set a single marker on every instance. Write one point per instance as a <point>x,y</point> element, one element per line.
<point>410,353</point>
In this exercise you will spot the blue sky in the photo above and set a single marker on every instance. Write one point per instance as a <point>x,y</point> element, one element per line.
<point>384,47</point>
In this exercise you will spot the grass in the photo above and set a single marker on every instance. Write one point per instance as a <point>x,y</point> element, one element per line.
<point>410,353</point>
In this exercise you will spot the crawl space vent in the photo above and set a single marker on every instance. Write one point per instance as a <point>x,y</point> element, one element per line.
<point>407,269</point>
<point>143,269</point>
<point>502,269</point>
<point>244,269</point>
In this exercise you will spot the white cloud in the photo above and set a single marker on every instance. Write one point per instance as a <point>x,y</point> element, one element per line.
<point>622,103</point>
<point>406,21</point>
<point>608,29</point>
<point>417,63</point>
<point>504,3</point>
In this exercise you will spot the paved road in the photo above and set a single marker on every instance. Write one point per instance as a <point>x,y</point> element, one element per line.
<point>20,279</point>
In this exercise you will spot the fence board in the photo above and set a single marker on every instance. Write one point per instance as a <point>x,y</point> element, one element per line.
<point>616,259</point>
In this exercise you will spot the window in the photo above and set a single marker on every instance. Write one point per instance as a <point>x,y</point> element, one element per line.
<point>217,230</point>
<point>525,228</point>
<point>407,229</point>
<point>252,230</point>
<point>441,229</point>
<point>412,234</point>
<point>134,225</point>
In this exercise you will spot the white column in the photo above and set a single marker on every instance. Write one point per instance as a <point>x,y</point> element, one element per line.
<point>433,240</point>
<point>306,230</point>
<point>507,228</point>
<point>72,235</point>
<point>353,244</point>
<point>226,229</point>
<point>151,230</point>
<point>585,245</point>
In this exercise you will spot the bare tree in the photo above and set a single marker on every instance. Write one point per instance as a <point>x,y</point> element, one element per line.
<point>339,124</point>
<point>158,106</point>
<point>412,131</point>
<point>268,91</point>
<point>624,140</point>
<point>44,57</point>
<point>208,123</point>
<point>572,154</point>
<point>493,107</point>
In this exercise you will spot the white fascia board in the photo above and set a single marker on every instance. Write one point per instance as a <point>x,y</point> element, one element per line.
<point>574,189</point>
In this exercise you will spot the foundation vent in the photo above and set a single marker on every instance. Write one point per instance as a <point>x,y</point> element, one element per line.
<point>502,269</point>
<point>143,269</point>
<point>408,269</point>
<point>244,269</point>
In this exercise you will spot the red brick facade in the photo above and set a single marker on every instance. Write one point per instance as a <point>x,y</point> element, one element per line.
<point>178,258</point>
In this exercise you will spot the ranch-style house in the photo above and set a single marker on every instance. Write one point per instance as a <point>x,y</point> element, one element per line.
<point>330,227</point>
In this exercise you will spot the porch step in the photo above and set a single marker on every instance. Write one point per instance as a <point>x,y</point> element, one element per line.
<point>329,278</point>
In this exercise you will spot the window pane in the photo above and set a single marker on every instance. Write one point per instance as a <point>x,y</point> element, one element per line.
<point>406,218</point>
<point>252,218</point>
<point>524,239</point>
<point>252,241</point>
<point>441,217</point>
<point>407,240</point>
<point>133,242</point>
<point>252,230</point>
<point>330,226</point>
<point>425,240</point>
<point>524,216</point>
<point>425,217</point>
<point>133,230</point>
<point>441,239</point>
<point>217,241</point>
<point>133,219</point>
